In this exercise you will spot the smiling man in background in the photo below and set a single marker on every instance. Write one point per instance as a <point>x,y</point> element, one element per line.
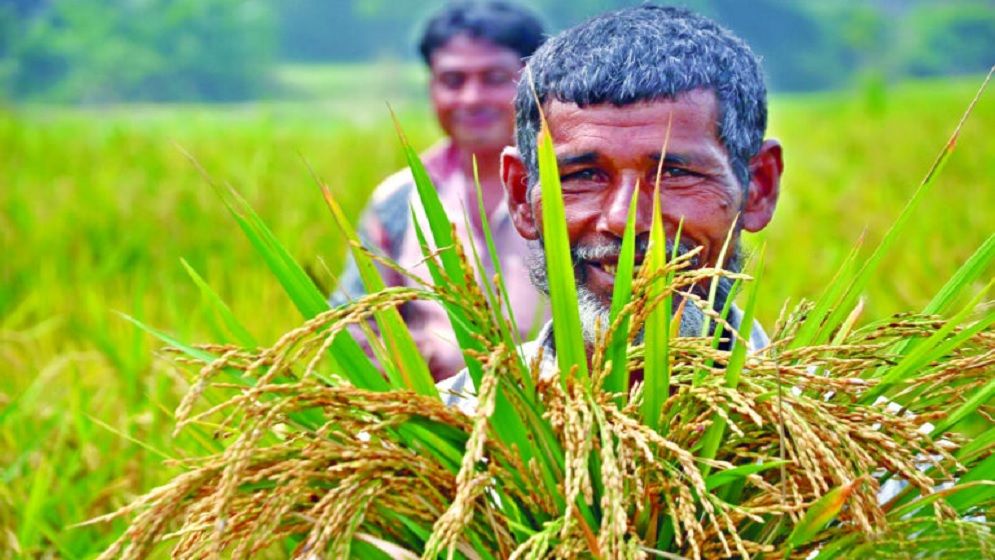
<point>475,54</point>
<point>609,89</point>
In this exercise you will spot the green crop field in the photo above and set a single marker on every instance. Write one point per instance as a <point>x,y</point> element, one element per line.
<point>100,206</point>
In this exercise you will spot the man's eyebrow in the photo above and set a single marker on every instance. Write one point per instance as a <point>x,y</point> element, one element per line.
<point>679,159</point>
<point>586,157</point>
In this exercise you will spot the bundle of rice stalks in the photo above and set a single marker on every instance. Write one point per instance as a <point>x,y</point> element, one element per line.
<point>834,441</point>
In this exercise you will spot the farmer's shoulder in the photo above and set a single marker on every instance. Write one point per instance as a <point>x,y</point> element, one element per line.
<point>437,162</point>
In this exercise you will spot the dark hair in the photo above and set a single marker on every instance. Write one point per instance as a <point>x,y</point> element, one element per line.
<point>502,23</point>
<point>648,53</point>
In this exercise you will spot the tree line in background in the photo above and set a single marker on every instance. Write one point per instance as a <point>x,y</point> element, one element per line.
<point>99,51</point>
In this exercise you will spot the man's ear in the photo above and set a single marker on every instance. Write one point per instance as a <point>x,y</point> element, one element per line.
<point>515,177</point>
<point>765,186</point>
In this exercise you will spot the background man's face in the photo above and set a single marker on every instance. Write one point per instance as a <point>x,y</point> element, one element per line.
<point>472,88</point>
<point>606,152</point>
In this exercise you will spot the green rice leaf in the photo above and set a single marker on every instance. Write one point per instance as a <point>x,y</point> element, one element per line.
<point>350,359</point>
<point>529,438</point>
<point>961,497</point>
<point>234,326</point>
<point>485,226</point>
<point>979,445</point>
<point>442,235</point>
<point>819,514</point>
<point>656,381</point>
<point>617,381</point>
<point>298,285</point>
<point>727,476</point>
<point>737,358</point>
<point>977,399</point>
<point>570,348</point>
<point>829,298</point>
<point>984,473</point>
<point>937,345</point>
<point>196,353</point>
<point>965,276</point>
<point>435,213</point>
<point>726,309</point>
<point>408,368</point>
<point>739,351</point>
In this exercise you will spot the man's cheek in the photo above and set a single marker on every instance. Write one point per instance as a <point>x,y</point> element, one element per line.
<point>580,220</point>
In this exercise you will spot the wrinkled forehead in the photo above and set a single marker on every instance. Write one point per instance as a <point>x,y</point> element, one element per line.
<point>690,117</point>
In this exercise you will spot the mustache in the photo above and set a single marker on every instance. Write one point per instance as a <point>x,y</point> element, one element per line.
<point>612,248</point>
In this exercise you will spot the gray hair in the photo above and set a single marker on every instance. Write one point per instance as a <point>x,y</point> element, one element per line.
<point>647,53</point>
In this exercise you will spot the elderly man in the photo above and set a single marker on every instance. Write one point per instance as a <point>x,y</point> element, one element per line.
<point>609,89</point>
<point>475,54</point>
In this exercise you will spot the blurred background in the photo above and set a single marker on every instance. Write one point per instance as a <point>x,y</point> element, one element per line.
<point>103,105</point>
<point>106,51</point>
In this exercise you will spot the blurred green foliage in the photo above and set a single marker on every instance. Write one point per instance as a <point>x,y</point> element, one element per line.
<point>111,50</point>
<point>805,45</point>
<point>105,51</point>
<point>951,38</point>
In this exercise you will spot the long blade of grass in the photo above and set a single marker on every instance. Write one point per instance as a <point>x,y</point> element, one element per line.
<point>617,381</point>
<point>965,276</point>
<point>737,359</point>
<point>834,291</point>
<point>938,344</point>
<point>571,353</point>
<point>701,373</point>
<point>438,220</point>
<point>656,329</point>
<point>978,398</point>
<point>442,235</point>
<point>485,226</point>
<point>739,351</point>
<point>570,350</point>
<point>979,445</point>
<point>509,425</point>
<point>859,282</point>
<point>298,285</point>
<point>726,309</point>
<point>196,353</point>
<point>498,319</point>
<point>530,435</point>
<point>409,369</point>
<point>656,373</point>
<point>234,326</point>
<point>982,472</point>
<point>354,364</point>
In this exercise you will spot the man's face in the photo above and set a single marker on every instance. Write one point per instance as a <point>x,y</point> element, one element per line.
<point>472,88</point>
<point>606,152</point>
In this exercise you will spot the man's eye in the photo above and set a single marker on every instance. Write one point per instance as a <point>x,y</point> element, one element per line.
<point>498,78</point>
<point>677,172</point>
<point>451,80</point>
<point>581,175</point>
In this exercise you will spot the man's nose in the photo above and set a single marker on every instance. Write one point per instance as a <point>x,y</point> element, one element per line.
<point>616,212</point>
<point>471,92</point>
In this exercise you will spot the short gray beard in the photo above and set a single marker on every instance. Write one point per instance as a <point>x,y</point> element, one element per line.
<point>594,315</point>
